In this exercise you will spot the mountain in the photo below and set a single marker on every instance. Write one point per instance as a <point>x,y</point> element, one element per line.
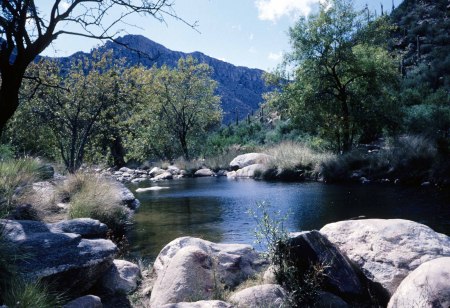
<point>422,39</point>
<point>240,88</point>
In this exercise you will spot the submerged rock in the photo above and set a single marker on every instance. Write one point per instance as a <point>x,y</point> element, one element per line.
<point>387,250</point>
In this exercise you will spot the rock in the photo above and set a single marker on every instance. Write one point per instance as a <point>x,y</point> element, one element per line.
<point>153,188</point>
<point>86,227</point>
<point>156,171</point>
<point>341,277</point>
<point>231,174</point>
<point>127,175</point>
<point>245,160</point>
<point>87,301</point>
<point>118,173</point>
<point>174,170</point>
<point>222,173</point>
<point>387,250</point>
<point>249,171</point>
<point>188,275</point>
<point>204,172</point>
<point>127,197</point>
<point>427,286</point>
<point>140,172</point>
<point>329,300</point>
<point>267,295</point>
<point>122,277</point>
<point>163,176</point>
<point>66,260</point>
<point>199,304</point>
<point>138,180</point>
<point>190,267</point>
<point>269,275</point>
<point>126,170</point>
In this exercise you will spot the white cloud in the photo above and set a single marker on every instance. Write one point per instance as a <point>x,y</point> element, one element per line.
<point>64,5</point>
<point>236,28</point>
<point>275,56</point>
<point>251,37</point>
<point>275,9</point>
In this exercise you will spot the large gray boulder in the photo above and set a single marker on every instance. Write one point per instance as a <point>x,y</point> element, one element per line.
<point>166,175</point>
<point>248,159</point>
<point>250,171</point>
<point>427,286</point>
<point>189,269</point>
<point>340,275</point>
<point>86,227</point>
<point>121,278</point>
<point>156,171</point>
<point>267,295</point>
<point>199,304</point>
<point>66,260</point>
<point>387,250</point>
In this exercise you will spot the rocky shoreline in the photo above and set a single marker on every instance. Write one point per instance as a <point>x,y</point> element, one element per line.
<point>369,263</point>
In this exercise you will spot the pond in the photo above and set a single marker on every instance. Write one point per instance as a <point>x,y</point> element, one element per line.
<point>216,208</point>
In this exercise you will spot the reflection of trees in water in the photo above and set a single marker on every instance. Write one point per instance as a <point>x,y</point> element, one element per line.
<point>167,219</point>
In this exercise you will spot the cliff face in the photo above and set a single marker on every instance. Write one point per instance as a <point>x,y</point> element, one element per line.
<point>422,38</point>
<point>239,87</point>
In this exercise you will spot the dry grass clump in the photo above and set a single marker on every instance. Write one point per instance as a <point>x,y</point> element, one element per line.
<point>293,160</point>
<point>91,196</point>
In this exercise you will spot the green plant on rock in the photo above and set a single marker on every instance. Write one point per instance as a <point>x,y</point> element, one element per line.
<point>302,281</point>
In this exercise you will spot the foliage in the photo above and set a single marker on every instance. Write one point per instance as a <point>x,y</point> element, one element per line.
<point>342,78</point>
<point>15,178</point>
<point>26,30</point>
<point>183,108</point>
<point>302,283</point>
<point>91,196</point>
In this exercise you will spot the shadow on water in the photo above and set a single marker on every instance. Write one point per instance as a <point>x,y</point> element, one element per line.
<point>215,208</point>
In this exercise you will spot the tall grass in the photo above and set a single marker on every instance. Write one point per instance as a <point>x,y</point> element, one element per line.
<point>91,196</point>
<point>292,160</point>
<point>16,176</point>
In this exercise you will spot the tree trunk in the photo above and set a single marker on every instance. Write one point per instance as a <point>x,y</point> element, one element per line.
<point>346,131</point>
<point>9,97</point>
<point>184,147</point>
<point>118,152</point>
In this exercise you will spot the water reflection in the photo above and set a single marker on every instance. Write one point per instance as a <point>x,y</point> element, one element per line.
<point>215,208</point>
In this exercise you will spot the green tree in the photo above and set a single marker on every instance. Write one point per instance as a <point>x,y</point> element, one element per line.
<point>26,30</point>
<point>342,76</point>
<point>85,102</point>
<point>179,108</point>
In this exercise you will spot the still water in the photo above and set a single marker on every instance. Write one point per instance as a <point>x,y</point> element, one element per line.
<point>215,209</point>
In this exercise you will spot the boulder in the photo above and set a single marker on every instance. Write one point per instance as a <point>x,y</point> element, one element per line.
<point>199,304</point>
<point>427,286</point>
<point>387,250</point>
<point>127,170</point>
<point>174,170</point>
<point>267,295</point>
<point>204,172</point>
<point>86,227</point>
<point>245,160</point>
<point>138,180</point>
<point>122,277</point>
<point>249,171</point>
<point>87,301</point>
<point>156,171</point>
<point>127,196</point>
<point>66,260</point>
<point>190,268</point>
<point>340,276</point>
<point>163,176</point>
<point>231,175</point>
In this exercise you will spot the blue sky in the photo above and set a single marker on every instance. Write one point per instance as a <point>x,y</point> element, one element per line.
<point>250,33</point>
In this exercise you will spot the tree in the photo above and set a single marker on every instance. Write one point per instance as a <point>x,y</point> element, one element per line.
<point>183,108</point>
<point>84,101</point>
<point>342,74</point>
<point>25,31</point>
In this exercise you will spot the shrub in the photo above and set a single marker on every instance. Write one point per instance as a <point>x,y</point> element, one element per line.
<point>95,197</point>
<point>302,282</point>
<point>15,178</point>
